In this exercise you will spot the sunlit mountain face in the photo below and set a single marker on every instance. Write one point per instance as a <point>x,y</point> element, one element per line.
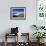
<point>18,12</point>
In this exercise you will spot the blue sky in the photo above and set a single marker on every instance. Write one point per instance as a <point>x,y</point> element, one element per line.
<point>18,10</point>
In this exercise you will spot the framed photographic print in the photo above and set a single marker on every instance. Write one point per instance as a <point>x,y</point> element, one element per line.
<point>18,13</point>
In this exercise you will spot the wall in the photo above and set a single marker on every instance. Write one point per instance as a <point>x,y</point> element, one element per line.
<point>24,25</point>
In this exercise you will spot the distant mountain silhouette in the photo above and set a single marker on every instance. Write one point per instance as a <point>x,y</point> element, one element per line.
<point>20,15</point>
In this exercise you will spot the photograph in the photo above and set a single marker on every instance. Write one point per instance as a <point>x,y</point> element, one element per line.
<point>17,13</point>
